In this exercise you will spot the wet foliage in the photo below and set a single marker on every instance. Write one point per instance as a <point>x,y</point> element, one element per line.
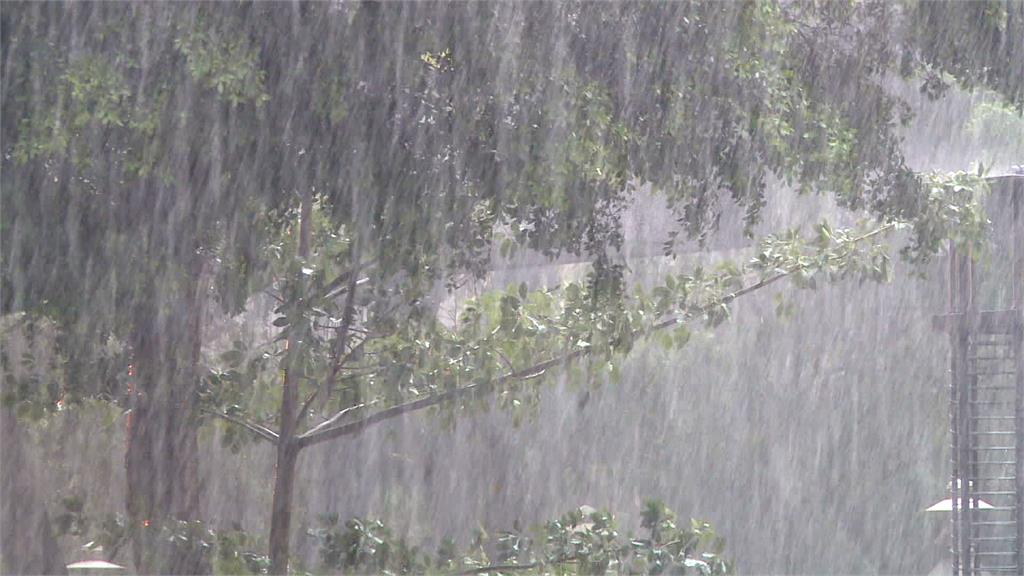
<point>352,166</point>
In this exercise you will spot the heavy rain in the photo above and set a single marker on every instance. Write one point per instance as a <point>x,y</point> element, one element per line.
<point>696,287</point>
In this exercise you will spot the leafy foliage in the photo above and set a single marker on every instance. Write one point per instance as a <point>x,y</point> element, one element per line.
<point>582,541</point>
<point>462,159</point>
<point>997,129</point>
<point>184,146</point>
<point>358,358</point>
<point>224,62</point>
<point>973,44</point>
<point>951,211</point>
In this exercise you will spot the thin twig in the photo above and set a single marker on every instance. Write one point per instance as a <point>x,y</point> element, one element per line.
<point>505,359</point>
<point>342,278</point>
<point>334,419</point>
<point>513,567</point>
<point>306,404</point>
<point>261,431</point>
<point>497,568</point>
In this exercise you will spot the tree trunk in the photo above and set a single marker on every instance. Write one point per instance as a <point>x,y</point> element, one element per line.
<point>27,542</point>
<point>287,447</point>
<point>284,474</point>
<point>162,456</point>
<point>281,512</point>
<point>162,468</point>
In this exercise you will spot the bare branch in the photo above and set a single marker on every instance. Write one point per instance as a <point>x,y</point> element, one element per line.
<point>498,568</point>
<point>344,277</point>
<point>333,420</point>
<point>343,290</point>
<point>323,433</point>
<point>505,359</point>
<point>307,403</point>
<point>261,431</point>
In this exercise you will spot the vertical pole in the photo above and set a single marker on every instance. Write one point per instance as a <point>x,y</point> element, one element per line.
<point>968,381</point>
<point>954,408</point>
<point>1017,304</point>
<point>963,417</point>
<point>961,299</point>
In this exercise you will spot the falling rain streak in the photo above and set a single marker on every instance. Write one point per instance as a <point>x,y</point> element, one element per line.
<point>512,288</point>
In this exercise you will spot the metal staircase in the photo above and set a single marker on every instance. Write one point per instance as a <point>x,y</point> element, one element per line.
<point>988,455</point>
<point>985,324</point>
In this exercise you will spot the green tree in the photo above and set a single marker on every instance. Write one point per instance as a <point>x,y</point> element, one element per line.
<point>354,158</point>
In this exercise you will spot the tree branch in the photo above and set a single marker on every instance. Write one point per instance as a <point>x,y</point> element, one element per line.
<point>343,336</point>
<point>344,277</point>
<point>514,567</point>
<point>307,403</point>
<point>498,568</point>
<point>261,431</point>
<point>323,433</point>
<point>332,420</point>
<point>724,300</point>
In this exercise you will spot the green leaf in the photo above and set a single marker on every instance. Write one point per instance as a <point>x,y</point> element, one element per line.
<point>681,336</point>
<point>233,357</point>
